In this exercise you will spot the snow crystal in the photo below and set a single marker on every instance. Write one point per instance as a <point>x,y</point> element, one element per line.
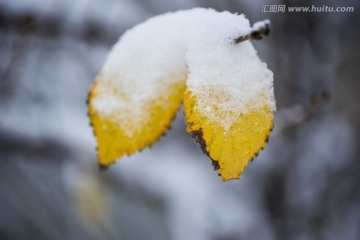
<point>197,45</point>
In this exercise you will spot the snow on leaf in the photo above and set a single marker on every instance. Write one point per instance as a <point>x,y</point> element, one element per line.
<point>115,140</point>
<point>234,147</point>
<point>229,102</point>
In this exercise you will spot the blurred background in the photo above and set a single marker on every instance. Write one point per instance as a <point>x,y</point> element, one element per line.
<point>304,185</point>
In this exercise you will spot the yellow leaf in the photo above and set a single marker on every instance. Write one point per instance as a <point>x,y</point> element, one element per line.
<point>117,132</point>
<point>231,147</point>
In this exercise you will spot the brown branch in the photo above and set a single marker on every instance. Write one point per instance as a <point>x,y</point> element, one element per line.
<point>297,114</point>
<point>259,30</point>
<point>56,26</point>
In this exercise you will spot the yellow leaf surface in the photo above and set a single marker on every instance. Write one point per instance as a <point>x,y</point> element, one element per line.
<point>114,139</point>
<point>234,147</point>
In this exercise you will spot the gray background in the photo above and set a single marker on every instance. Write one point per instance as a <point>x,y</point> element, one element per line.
<point>304,185</point>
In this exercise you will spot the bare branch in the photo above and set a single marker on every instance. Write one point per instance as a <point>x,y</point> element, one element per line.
<point>295,115</point>
<point>259,30</point>
<point>55,26</point>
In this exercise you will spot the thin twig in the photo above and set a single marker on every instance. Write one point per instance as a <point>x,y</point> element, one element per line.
<point>297,114</point>
<point>259,30</point>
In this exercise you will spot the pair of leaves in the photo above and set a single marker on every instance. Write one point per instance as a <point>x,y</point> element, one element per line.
<point>135,98</point>
<point>231,149</point>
